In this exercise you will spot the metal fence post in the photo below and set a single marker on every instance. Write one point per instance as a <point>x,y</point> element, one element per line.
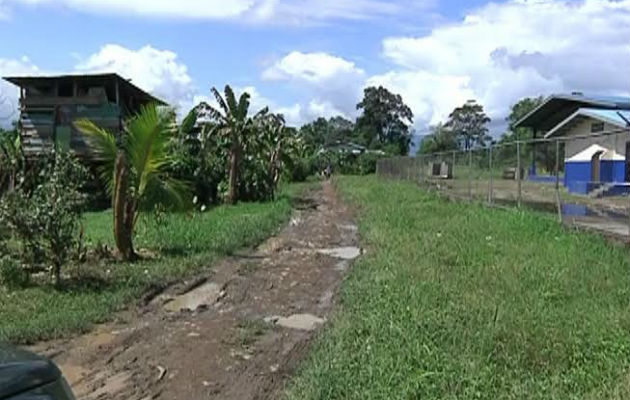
<point>470,174</point>
<point>557,171</point>
<point>518,174</point>
<point>490,179</point>
<point>453,166</point>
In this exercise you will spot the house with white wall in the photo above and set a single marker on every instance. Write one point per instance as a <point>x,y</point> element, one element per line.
<point>595,131</point>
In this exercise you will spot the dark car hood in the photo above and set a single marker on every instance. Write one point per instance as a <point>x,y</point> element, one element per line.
<point>21,370</point>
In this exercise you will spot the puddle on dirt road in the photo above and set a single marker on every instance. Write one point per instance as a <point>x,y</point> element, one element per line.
<point>345,253</point>
<point>204,295</point>
<point>305,322</point>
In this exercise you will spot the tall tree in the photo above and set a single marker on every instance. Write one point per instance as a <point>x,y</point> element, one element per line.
<point>322,132</point>
<point>233,124</point>
<point>440,139</point>
<point>469,123</point>
<point>384,121</point>
<point>518,110</point>
<point>136,169</point>
<point>544,153</point>
<point>279,145</point>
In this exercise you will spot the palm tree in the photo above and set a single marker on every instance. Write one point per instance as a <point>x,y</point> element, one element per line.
<point>232,124</point>
<point>135,169</point>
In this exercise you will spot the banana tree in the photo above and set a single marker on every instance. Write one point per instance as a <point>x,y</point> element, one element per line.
<point>232,123</point>
<point>135,169</point>
<point>280,142</point>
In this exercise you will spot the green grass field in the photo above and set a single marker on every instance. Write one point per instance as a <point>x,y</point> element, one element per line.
<point>184,243</point>
<point>457,301</point>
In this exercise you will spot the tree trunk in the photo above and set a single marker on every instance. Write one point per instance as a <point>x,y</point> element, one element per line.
<point>233,179</point>
<point>274,170</point>
<point>123,210</point>
<point>56,274</point>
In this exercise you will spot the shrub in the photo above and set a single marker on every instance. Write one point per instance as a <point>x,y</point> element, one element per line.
<point>302,169</point>
<point>366,163</point>
<point>43,216</point>
<point>12,274</point>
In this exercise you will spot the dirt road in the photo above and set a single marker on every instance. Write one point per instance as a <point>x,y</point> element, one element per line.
<point>236,332</point>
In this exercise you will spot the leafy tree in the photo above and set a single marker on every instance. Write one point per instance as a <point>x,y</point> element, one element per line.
<point>385,120</point>
<point>519,110</point>
<point>440,139</point>
<point>469,124</point>
<point>136,170</point>
<point>321,132</point>
<point>276,138</point>
<point>545,153</point>
<point>11,158</point>
<point>44,215</point>
<point>199,156</point>
<point>268,153</point>
<point>232,124</point>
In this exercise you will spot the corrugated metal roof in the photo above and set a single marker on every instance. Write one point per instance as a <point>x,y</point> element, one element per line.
<point>558,107</point>
<point>619,118</point>
<point>22,80</point>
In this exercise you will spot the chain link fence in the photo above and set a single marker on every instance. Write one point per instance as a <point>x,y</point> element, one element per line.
<point>583,180</point>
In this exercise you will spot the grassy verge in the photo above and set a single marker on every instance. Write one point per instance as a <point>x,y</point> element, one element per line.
<point>456,301</point>
<point>185,244</point>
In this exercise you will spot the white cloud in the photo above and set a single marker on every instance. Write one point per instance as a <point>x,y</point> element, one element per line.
<point>314,68</point>
<point>198,9</point>
<point>321,109</point>
<point>497,54</point>
<point>159,72</point>
<point>9,94</point>
<point>331,83</point>
<point>278,11</point>
<point>429,96</point>
<point>502,52</point>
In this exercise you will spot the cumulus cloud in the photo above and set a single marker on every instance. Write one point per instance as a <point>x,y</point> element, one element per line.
<point>279,11</point>
<point>497,54</point>
<point>502,52</point>
<point>332,83</point>
<point>9,94</point>
<point>159,72</point>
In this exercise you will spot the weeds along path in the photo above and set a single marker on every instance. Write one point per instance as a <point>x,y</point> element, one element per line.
<point>236,333</point>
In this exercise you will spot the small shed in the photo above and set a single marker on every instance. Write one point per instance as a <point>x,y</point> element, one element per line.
<point>50,104</point>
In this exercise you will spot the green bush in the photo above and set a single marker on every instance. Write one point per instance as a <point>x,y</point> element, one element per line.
<point>12,274</point>
<point>366,163</point>
<point>348,163</point>
<point>42,216</point>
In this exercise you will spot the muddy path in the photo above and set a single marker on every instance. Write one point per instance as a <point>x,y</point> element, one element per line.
<point>235,332</point>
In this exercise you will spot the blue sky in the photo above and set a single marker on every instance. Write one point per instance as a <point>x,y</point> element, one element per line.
<point>310,58</point>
